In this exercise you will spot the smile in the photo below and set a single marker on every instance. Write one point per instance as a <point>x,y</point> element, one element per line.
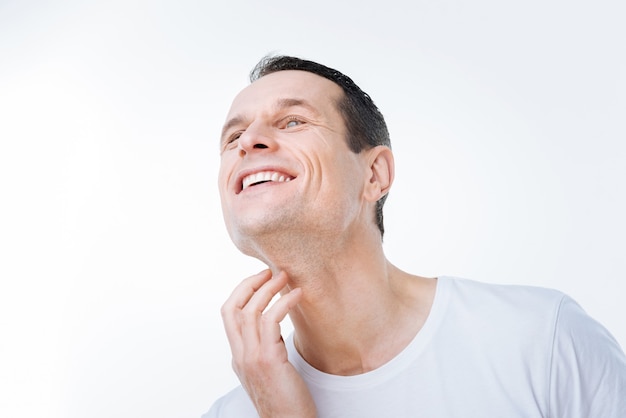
<point>264,177</point>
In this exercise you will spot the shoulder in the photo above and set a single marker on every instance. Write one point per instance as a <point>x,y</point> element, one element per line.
<point>494,318</point>
<point>583,365</point>
<point>235,404</point>
<point>509,300</point>
<point>588,370</point>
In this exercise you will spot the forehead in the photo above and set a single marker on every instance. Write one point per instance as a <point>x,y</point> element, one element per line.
<point>315,90</point>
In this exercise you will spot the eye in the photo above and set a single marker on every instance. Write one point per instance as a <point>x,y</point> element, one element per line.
<point>234,137</point>
<point>292,122</point>
<point>231,141</point>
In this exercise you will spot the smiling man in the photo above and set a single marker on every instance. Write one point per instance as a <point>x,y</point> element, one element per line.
<point>305,169</point>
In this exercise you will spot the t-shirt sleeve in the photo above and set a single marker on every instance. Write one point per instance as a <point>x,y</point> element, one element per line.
<point>588,368</point>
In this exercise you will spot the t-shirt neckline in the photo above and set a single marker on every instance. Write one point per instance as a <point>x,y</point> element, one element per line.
<point>394,366</point>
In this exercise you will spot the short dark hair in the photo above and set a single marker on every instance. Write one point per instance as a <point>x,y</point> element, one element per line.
<point>366,127</point>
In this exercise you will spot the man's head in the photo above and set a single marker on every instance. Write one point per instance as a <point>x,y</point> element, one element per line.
<point>292,165</point>
<point>365,124</point>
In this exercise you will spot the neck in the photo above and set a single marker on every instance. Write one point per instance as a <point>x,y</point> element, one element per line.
<point>358,311</point>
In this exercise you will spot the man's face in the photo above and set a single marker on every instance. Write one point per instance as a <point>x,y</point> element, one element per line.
<point>285,164</point>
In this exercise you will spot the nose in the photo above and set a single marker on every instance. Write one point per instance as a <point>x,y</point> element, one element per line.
<point>255,138</point>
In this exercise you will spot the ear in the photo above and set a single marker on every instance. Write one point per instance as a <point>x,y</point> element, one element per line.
<point>381,172</point>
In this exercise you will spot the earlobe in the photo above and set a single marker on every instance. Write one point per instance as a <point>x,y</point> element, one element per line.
<point>381,169</point>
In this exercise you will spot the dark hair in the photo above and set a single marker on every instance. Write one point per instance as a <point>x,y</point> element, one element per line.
<point>365,124</point>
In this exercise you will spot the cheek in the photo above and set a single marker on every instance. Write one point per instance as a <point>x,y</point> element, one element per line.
<point>223,175</point>
<point>347,167</point>
<point>221,181</point>
<point>343,180</point>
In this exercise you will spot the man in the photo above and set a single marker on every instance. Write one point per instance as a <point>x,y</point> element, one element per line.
<point>305,168</point>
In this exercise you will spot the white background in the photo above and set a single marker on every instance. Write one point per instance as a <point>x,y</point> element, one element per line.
<point>507,121</point>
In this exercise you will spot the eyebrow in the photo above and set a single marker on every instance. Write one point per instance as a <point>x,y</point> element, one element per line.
<point>286,103</point>
<point>280,104</point>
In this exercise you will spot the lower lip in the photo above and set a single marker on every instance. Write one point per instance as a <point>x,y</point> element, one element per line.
<point>265,185</point>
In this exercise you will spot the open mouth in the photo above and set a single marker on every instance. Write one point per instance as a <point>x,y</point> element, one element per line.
<point>261,177</point>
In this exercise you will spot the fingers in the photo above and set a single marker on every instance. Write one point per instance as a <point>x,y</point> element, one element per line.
<point>247,320</point>
<point>237,300</point>
<point>269,329</point>
<point>252,316</point>
<point>260,357</point>
<point>245,290</point>
<point>264,294</point>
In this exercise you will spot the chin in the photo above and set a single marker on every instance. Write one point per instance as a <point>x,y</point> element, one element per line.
<point>249,237</point>
<point>251,248</point>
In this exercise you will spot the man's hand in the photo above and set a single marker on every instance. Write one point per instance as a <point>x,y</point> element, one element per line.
<point>259,353</point>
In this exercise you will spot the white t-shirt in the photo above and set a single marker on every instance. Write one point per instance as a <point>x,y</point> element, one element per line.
<point>484,351</point>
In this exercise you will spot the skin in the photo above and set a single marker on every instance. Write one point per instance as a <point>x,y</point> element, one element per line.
<point>352,310</point>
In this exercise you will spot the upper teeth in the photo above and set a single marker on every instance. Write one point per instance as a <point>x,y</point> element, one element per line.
<point>264,176</point>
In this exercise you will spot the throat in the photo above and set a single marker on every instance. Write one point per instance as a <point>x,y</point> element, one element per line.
<point>342,338</point>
